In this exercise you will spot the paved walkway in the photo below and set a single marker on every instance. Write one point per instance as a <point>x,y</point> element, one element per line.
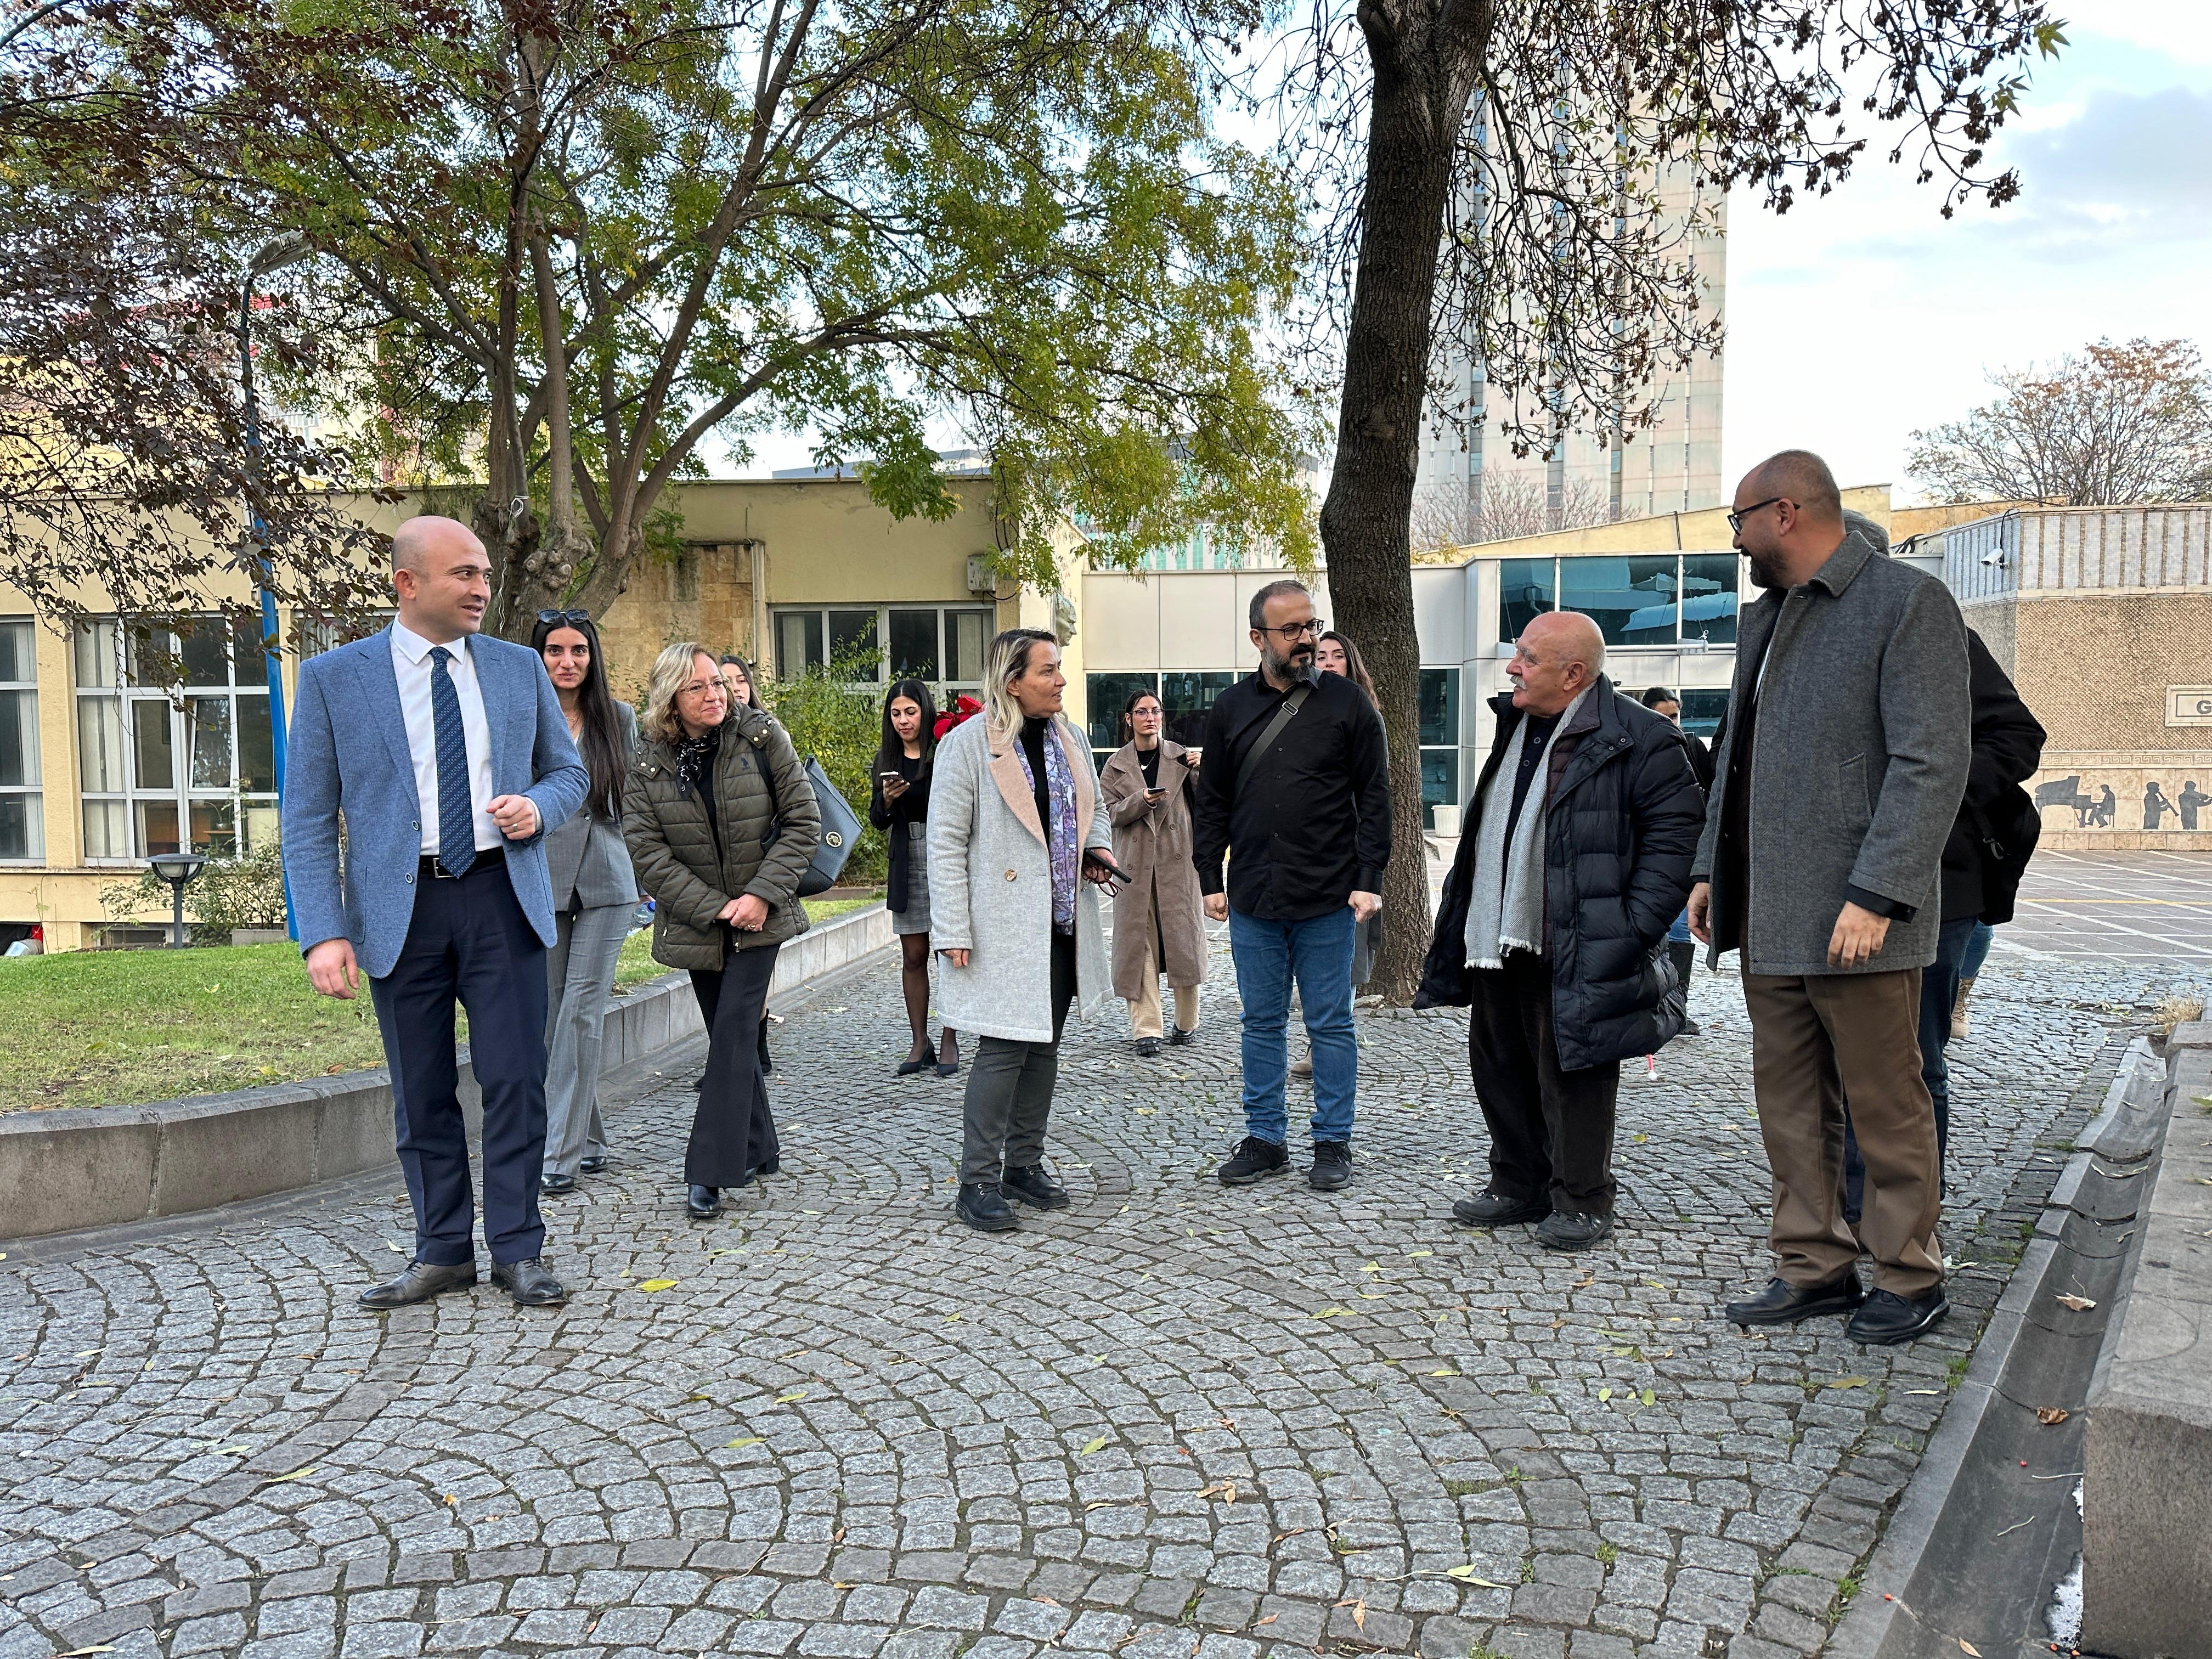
<point>1171,1421</point>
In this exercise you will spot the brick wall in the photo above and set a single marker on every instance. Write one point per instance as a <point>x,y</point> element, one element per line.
<point>2095,668</point>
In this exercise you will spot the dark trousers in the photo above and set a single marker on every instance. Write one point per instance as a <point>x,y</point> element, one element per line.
<point>1939,993</point>
<point>732,1131</point>
<point>1551,1131</point>
<point>1009,1086</point>
<point>468,940</point>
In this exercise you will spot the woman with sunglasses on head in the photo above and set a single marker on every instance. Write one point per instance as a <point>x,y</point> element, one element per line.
<point>898,805</point>
<point>722,824</point>
<point>1159,919</point>
<point>594,898</point>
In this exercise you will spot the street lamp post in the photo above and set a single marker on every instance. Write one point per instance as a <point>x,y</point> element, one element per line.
<point>177,869</point>
<point>273,255</point>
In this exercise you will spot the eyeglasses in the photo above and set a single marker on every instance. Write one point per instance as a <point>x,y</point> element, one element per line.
<point>1290,631</point>
<point>560,618</point>
<point>701,687</point>
<point>1735,519</point>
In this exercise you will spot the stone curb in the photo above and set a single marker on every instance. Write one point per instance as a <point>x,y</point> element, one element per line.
<point>96,1166</point>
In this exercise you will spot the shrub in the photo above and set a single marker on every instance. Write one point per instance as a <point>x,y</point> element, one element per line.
<point>229,893</point>
<point>836,716</point>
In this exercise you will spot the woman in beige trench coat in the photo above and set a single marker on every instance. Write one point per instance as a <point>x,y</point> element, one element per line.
<point>1159,918</point>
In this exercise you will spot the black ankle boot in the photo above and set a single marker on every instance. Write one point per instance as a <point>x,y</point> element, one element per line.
<point>704,1203</point>
<point>982,1207</point>
<point>1033,1187</point>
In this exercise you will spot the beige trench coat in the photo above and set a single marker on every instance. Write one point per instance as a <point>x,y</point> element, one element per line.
<point>1152,843</point>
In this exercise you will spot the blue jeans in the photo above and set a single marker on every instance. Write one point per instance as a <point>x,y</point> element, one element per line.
<point>1679,932</point>
<point>1318,953</point>
<point>1939,991</point>
<point>1977,950</point>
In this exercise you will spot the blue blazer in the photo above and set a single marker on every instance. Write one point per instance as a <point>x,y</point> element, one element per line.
<point>348,756</point>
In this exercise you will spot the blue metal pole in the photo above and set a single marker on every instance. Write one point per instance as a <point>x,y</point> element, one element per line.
<point>272,656</point>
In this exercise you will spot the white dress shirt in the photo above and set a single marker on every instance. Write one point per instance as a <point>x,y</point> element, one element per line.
<point>411,663</point>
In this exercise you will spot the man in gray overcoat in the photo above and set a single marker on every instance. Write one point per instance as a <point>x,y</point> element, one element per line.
<point>1838,780</point>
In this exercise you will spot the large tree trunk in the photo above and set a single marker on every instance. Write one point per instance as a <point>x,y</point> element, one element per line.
<point>1366,520</point>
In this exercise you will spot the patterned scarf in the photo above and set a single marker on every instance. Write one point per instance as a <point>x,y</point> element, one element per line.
<point>694,759</point>
<point>1060,836</point>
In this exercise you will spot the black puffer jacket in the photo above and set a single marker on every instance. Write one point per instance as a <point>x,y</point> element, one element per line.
<point>1624,816</point>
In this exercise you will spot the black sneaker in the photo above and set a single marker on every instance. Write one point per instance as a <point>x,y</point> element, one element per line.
<point>1332,1166</point>
<point>1033,1187</point>
<point>1254,1159</point>
<point>984,1209</point>
<point>1886,1318</point>
<point>1563,1230</point>
<point>1177,1037</point>
<point>1489,1209</point>
<point>1784,1304</point>
<point>1148,1047</point>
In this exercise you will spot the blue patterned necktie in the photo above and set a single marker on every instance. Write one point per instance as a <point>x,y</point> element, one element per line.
<point>456,819</point>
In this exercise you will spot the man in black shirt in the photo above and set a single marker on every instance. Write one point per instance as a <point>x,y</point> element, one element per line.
<point>1306,826</point>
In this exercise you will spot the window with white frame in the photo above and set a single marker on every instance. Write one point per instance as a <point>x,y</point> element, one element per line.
<point>22,818</point>
<point>942,644</point>
<point>174,745</point>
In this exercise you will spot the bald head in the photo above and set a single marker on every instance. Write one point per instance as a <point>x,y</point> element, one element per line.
<point>1802,477</point>
<point>427,538</point>
<point>1557,657</point>
<point>442,577</point>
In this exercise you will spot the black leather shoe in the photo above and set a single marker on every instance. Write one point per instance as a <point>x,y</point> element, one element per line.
<point>983,1208</point>
<point>1885,1318</point>
<point>1177,1037</point>
<point>553,1185</point>
<point>908,1067</point>
<point>418,1282</point>
<point>1489,1209</point>
<point>1033,1187</point>
<point>1560,1230</point>
<point>1784,1304</point>
<point>593,1166</point>
<point>704,1203</point>
<point>1332,1166</point>
<point>1147,1047</point>
<point>530,1282</point>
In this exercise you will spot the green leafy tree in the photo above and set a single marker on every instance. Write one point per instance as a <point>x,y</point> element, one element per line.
<point>576,241</point>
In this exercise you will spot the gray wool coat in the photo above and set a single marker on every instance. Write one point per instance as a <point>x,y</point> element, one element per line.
<point>1865,728</point>
<point>990,885</point>
<point>586,856</point>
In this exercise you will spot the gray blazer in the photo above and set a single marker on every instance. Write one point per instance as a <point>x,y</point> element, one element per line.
<point>1865,729</point>
<point>586,856</point>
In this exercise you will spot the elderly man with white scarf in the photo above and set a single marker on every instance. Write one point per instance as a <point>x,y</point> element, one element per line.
<point>1552,929</point>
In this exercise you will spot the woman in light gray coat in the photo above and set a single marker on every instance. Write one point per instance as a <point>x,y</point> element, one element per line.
<point>594,899</point>
<point>1018,841</point>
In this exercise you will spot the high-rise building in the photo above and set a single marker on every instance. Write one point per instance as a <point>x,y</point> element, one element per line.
<point>1471,485</point>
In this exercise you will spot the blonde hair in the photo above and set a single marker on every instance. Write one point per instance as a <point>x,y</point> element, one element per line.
<point>1004,662</point>
<point>672,673</point>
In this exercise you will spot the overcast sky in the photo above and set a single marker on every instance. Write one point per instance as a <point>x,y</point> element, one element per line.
<point>1854,319</point>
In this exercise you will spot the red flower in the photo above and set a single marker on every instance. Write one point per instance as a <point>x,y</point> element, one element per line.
<point>963,708</point>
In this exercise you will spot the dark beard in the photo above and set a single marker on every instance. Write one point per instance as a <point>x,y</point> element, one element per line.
<point>1301,672</point>
<point>1764,573</point>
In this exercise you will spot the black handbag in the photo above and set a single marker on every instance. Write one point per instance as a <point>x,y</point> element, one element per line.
<point>841,827</point>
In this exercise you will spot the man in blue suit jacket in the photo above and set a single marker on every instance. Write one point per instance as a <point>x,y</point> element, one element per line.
<point>448,758</point>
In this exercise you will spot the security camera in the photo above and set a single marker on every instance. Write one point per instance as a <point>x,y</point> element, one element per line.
<point>1995,560</point>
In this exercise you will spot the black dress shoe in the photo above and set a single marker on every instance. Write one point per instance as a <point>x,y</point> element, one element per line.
<point>553,1185</point>
<point>593,1166</point>
<point>1033,1187</point>
<point>704,1203</point>
<point>1560,1230</point>
<point>1489,1209</point>
<point>985,1209</point>
<point>530,1282</point>
<point>1784,1304</point>
<point>1177,1037</point>
<point>1886,1318</point>
<point>908,1067</point>
<point>1148,1047</point>
<point>418,1282</point>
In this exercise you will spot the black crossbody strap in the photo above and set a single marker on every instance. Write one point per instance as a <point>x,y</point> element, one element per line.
<point>1273,729</point>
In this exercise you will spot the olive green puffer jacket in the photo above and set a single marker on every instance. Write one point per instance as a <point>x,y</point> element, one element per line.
<point>689,877</point>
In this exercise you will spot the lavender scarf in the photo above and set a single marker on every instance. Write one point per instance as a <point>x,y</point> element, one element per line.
<point>1060,835</point>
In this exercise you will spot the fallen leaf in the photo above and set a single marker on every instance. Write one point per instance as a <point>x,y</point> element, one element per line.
<point>1444,1370</point>
<point>1410,1255</point>
<point>2048,1415</point>
<point>1466,1575</point>
<point>658,1285</point>
<point>1099,1444</point>
<point>1930,1391</point>
<point>786,1399</point>
<point>1848,1382</point>
<point>1649,1398</point>
<point>1604,1394</point>
<point>2079,1304</point>
<point>75,1653</point>
<point>1269,1619</point>
<point>297,1474</point>
<point>739,1445</point>
<point>1965,1646</point>
<point>1372,1268</point>
<point>1334,1313</point>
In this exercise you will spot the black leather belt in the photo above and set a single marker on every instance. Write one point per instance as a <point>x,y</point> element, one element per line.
<point>488,858</point>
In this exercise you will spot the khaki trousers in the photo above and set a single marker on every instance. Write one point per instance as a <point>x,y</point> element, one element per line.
<point>1815,1041</point>
<point>1144,1009</point>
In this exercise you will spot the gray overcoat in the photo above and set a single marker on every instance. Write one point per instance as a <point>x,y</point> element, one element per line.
<point>1865,729</point>
<point>990,884</point>
<point>586,856</point>
<point>1152,843</point>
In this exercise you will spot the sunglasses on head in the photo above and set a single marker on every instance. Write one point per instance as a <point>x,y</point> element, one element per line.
<point>559,618</point>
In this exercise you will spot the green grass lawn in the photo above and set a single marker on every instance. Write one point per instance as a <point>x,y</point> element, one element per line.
<point>119,1028</point>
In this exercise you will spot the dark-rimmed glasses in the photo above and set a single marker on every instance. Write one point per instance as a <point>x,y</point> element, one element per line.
<point>1289,632</point>
<point>1735,519</point>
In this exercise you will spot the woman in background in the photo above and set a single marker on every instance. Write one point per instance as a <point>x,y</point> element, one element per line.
<point>1159,919</point>
<point>721,849</point>
<point>898,805</point>
<point>594,898</point>
<point>737,677</point>
<point>1335,653</point>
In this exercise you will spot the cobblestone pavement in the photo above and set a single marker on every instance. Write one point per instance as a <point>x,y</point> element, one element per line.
<point>1171,1421</point>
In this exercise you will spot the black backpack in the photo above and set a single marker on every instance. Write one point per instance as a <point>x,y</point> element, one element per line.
<point>2005,834</point>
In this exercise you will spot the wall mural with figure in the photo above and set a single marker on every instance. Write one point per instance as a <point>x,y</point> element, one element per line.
<point>2140,799</point>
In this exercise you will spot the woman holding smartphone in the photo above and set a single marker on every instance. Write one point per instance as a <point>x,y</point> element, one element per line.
<point>1159,918</point>
<point>899,806</point>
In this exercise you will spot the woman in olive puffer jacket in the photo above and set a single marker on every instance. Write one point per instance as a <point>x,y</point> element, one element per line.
<point>721,824</point>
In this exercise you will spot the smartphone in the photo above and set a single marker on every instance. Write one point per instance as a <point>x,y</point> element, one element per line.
<point>1099,860</point>
<point>890,777</point>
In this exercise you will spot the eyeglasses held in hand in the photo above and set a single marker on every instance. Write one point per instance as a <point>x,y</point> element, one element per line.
<point>559,618</point>
<point>1289,631</point>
